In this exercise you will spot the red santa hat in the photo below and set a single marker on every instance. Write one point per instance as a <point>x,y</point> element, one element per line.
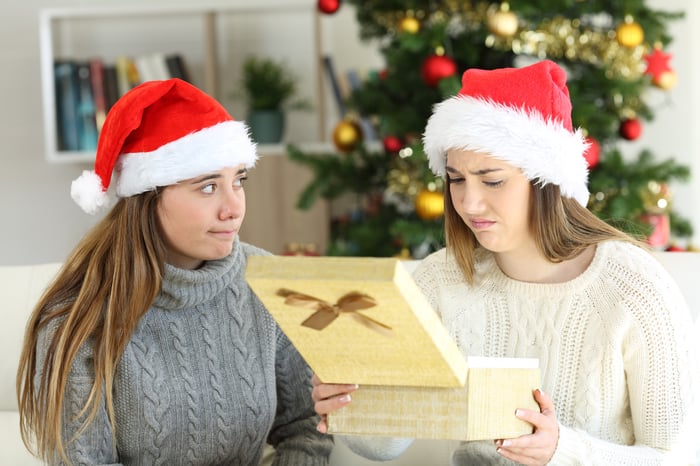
<point>518,115</point>
<point>157,134</point>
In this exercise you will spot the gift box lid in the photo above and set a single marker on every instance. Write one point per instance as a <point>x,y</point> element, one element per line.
<point>358,320</point>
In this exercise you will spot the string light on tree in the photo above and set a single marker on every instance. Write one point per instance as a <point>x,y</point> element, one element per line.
<point>657,199</point>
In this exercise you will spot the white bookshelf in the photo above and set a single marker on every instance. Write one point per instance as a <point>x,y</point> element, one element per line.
<point>202,33</point>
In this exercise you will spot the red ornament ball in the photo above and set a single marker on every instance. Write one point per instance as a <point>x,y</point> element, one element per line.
<point>328,6</point>
<point>437,67</point>
<point>392,144</point>
<point>592,154</point>
<point>631,129</point>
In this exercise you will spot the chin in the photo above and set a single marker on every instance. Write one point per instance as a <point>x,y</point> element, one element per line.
<point>221,252</point>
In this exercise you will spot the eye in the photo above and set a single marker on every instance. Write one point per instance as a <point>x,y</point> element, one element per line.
<point>456,180</point>
<point>493,184</point>
<point>238,182</point>
<point>208,188</point>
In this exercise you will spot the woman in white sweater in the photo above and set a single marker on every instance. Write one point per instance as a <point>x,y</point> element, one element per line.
<point>528,271</point>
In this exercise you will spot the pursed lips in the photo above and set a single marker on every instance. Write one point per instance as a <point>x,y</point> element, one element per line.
<point>480,223</point>
<point>224,233</point>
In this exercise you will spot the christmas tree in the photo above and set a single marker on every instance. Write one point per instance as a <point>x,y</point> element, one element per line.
<point>613,53</point>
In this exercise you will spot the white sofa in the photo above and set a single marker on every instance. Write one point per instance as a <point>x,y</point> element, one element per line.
<point>20,287</point>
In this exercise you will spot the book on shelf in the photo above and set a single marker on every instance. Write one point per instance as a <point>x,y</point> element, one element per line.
<point>177,67</point>
<point>127,74</point>
<point>151,67</point>
<point>109,72</point>
<point>66,90</point>
<point>365,321</point>
<point>87,126</point>
<point>86,89</point>
<point>332,76</point>
<point>97,81</point>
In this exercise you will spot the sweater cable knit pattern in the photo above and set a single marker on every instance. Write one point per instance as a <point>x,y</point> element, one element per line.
<point>198,382</point>
<point>615,344</point>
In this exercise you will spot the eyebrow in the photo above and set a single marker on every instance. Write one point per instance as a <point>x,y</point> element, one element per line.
<point>214,176</point>
<point>484,171</point>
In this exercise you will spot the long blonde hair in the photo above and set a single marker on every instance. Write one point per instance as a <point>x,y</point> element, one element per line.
<point>104,288</point>
<point>562,228</point>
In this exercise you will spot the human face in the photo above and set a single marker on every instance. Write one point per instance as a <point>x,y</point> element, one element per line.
<point>492,197</point>
<point>200,217</point>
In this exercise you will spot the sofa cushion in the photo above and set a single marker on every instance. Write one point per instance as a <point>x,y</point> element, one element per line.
<point>20,288</point>
<point>12,451</point>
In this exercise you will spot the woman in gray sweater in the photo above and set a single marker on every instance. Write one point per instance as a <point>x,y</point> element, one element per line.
<point>149,347</point>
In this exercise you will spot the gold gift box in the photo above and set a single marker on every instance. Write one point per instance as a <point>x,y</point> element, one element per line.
<point>484,409</point>
<point>365,321</point>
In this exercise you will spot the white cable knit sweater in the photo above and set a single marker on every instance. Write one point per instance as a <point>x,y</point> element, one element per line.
<point>615,345</point>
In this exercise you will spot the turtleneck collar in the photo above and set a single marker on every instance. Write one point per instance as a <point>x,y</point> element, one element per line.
<point>183,288</point>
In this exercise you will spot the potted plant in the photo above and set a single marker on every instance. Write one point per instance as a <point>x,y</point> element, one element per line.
<point>270,89</point>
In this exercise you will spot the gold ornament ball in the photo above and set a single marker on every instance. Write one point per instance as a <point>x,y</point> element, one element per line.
<point>503,23</point>
<point>630,34</point>
<point>430,205</point>
<point>666,80</point>
<point>409,25</point>
<point>347,135</point>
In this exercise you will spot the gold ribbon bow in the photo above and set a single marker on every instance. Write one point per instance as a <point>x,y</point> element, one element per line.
<point>326,312</point>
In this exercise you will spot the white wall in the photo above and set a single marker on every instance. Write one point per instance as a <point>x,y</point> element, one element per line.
<point>41,223</point>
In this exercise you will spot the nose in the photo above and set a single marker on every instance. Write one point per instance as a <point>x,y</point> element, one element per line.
<point>472,201</point>
<point>232,204</point>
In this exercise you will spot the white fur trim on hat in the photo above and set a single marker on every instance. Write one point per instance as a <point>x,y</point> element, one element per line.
<point>223,145</point>
<point>88,193</point>
<point>544,149</point>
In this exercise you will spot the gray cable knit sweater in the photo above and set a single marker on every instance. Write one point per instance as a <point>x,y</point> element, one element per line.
<point>207,379</point>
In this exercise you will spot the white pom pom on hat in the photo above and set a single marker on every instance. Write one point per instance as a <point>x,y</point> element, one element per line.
<point>157,134</point>
<point>518,115</point>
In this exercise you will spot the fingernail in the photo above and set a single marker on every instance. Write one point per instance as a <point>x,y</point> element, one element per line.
<point>345,398</point>
<point>518,413</point>
<point>505,443</point>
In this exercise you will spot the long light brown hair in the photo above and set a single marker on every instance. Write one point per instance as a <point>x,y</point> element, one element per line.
<point>98,297</point>
<point>562,228</point>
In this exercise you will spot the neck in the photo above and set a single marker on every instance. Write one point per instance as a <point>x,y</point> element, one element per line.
<point>532,267</point>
